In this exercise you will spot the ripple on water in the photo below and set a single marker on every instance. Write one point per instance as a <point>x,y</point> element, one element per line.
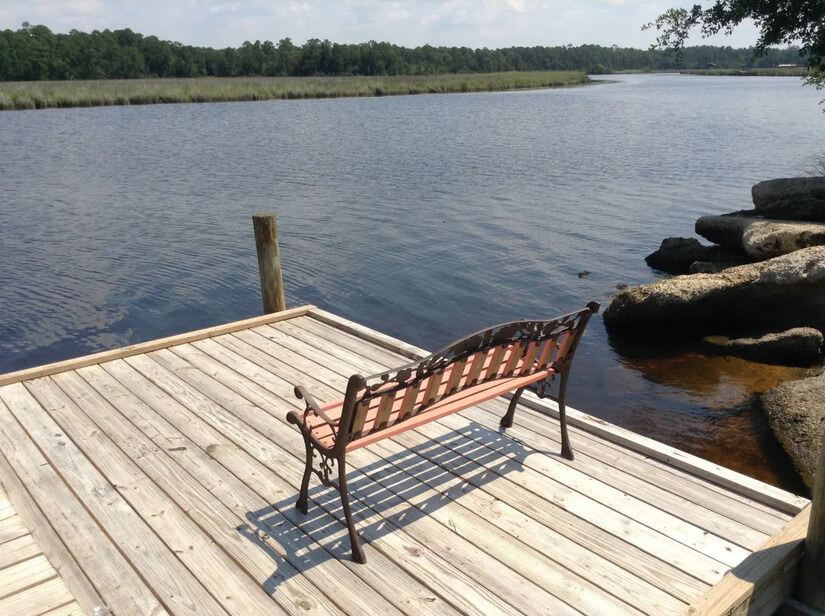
<point>425,217</point>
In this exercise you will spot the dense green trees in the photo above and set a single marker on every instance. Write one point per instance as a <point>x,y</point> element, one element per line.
<point>36,53</point>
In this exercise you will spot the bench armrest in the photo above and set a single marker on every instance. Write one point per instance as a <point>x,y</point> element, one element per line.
<point>302,394</point>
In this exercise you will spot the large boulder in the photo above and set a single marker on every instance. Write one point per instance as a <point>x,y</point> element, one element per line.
<point>725,230</point>
<point>791,198</point>
<point>799,346</point>
<point>758,237</point>
<point>764,239</point>
<point>796,414</point>
<point>676,254</point>
<point>783,292</point>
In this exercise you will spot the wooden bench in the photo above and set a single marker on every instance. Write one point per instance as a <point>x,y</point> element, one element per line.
<point>505,358</point>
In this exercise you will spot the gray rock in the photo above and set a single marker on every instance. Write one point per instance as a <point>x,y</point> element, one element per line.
<point>796,414</point>
<point>764,239</point>
<point>758,237</point>
<point>791,198</point>
<point>725,230</point>
<point>783,292</point>
<point>800,346</point>
<point>703,267</point>
<point>676,254</point>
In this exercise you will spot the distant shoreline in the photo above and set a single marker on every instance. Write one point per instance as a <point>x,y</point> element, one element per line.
<point>799,71</point>
<point>21,95</point>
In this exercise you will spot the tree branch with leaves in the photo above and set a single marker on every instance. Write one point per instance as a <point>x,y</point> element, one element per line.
<point>780,22</point>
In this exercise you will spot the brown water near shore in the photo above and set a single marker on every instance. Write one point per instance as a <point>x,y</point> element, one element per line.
<point>728,389</point>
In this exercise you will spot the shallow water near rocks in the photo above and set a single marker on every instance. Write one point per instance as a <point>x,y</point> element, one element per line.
<point>425,217</point>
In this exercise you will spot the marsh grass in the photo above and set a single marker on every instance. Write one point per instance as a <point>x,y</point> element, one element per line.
<point>49,94</point>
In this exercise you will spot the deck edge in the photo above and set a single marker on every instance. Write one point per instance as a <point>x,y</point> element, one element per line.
<point>747,486</point>
<point>150,345</point>
<point>765,579</point>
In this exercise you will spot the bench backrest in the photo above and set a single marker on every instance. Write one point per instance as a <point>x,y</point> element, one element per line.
<point>515,349</point>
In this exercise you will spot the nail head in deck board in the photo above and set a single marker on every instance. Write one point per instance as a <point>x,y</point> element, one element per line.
<point>812,569</point>
<point>269,261</point>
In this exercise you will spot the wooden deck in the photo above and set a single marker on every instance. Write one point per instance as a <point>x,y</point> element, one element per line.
<point>161,479</point>
<point>29,584</point>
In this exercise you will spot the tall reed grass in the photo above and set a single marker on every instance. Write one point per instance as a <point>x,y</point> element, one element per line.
<point>49,94</point>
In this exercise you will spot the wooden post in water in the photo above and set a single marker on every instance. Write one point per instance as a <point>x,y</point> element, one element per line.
<point>269,261</point>
<point>812,570</point>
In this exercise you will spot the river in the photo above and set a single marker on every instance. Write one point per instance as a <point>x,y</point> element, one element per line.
<point>426,217</point>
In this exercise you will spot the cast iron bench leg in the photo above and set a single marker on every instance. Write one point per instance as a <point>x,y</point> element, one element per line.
<point>566,452</point>
<point>355,541</point>
<point>302,504</point>
<point>507,420</point>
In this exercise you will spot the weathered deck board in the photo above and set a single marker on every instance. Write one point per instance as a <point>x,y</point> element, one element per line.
<point>29,584</point>
<point>162,479</point>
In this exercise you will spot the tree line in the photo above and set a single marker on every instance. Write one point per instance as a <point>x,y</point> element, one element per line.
<point>36,53</point>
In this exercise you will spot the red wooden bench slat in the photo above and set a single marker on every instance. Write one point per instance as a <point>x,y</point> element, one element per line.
<point>513,358</point>
<point>458,402</point>
<point>528,364</point>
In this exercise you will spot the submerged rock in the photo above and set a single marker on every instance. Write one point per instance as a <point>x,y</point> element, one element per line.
<point>758,237</point>
<point>796,414</point>
<point>676,254</point>
<point>800,346</point>
<point>783,292</point>
<point>791,198</point>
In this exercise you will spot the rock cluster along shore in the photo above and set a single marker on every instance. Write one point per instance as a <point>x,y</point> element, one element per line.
<point>758,292</point>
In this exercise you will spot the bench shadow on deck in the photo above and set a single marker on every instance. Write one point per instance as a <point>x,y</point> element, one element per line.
<point>377,487</point>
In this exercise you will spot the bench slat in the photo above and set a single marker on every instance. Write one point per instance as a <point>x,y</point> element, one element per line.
<point>410,399</point>
<point>384,409</point>
<point>479,361</point>
<point>469,397</point>
<point>432,387</point>
<point>513,359</point>
<point>495,363</point>
<point>359,419</point>
<point>455,377</point>
<point>529,364</point>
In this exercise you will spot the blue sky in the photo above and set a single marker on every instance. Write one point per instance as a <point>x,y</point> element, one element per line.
<point>475,23</point>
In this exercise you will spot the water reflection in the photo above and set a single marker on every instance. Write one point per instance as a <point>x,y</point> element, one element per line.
<point>425,217</point>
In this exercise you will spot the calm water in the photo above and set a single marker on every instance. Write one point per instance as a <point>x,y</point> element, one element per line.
<point>425,217</point>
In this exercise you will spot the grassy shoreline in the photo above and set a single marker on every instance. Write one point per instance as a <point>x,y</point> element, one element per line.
<point>53,94</point>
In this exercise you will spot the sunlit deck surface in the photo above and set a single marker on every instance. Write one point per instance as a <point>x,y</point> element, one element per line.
<point>162,480</point>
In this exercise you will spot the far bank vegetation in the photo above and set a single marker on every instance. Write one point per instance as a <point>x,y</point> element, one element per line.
<point>49,94</point>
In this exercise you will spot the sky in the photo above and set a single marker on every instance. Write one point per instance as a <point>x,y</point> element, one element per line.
<point>474,23</point>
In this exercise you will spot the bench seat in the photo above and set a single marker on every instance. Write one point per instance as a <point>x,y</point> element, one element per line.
<point>465,398</point>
